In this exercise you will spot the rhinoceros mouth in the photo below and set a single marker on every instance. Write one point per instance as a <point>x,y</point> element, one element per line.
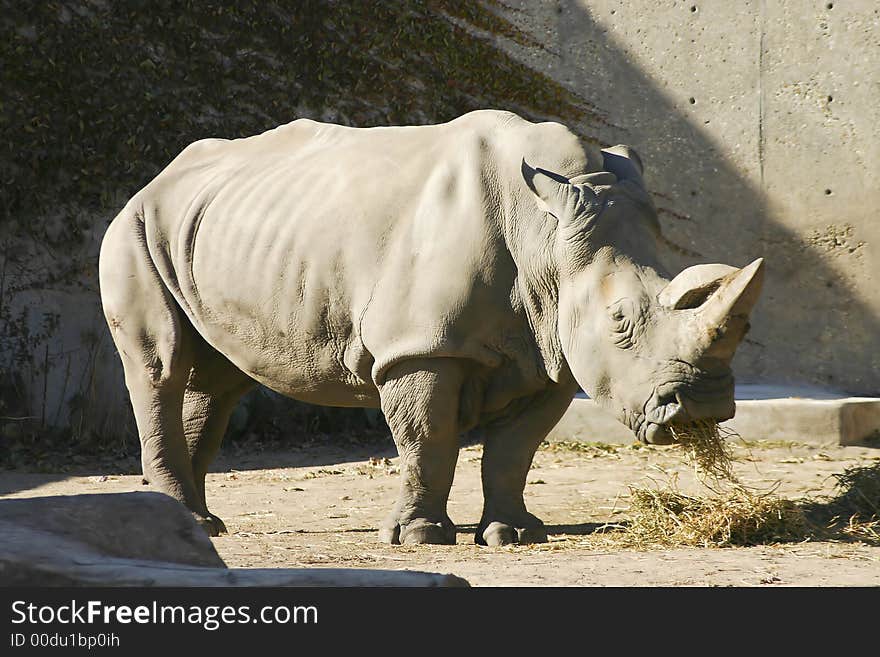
<point>686,394</point>
<point>659,433</point>
<point>646,430</point>
<point>690,394</point>
<point>652,433</point>
<point>654,425</point>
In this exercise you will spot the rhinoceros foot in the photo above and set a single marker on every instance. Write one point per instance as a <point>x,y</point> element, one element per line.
<point>418,530</point>
<point>212,525</point>
<point>500,533</point>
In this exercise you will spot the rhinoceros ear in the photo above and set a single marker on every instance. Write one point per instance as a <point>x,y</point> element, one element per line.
<point>552,190</point>
<point>555,193</point>
<point>623,162</point>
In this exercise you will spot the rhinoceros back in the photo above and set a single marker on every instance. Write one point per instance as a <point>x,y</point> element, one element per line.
<point>316,256</point>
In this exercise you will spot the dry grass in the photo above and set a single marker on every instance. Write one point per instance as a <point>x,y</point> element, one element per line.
<point>589,449</point>
<point>705,446</point>
<point>734,514</point>
<point>854,511</point>
<point>741,516</point>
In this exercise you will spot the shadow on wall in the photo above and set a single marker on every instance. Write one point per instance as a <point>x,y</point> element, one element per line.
<point>809,326</point>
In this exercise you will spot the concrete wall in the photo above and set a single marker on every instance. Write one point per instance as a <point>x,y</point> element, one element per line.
<point>757,123</point>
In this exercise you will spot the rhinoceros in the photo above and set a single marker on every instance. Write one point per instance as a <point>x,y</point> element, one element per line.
<point>474,273</point>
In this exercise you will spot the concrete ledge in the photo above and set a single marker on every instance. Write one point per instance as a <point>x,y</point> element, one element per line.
<point>801,415</point>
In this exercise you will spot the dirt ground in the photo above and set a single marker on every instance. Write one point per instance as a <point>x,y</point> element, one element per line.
<point>320,507</point>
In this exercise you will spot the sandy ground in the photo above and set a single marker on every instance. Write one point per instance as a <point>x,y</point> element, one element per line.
<point>320,507</point>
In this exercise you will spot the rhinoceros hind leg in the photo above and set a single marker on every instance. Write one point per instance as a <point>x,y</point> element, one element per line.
<point>154,341</point>
<point>420,400</point>
<point>212,525</point>
<point>214,388</point>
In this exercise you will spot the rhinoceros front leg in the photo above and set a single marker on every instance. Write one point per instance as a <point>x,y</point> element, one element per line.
<point>508,450</point>
<point>420,401</point>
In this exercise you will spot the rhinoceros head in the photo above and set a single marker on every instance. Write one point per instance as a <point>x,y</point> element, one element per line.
<point>655,351</point>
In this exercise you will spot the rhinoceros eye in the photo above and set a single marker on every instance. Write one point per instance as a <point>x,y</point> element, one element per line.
<point>622,327</point>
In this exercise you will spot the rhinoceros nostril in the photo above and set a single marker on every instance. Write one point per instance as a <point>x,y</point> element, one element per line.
<point>687,405</point>
<point>667,413</point>
<point>718,407</point>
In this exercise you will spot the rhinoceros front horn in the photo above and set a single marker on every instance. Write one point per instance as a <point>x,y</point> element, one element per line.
<point>736,295</point>
<point>722,298</point>
<point>694,285</point>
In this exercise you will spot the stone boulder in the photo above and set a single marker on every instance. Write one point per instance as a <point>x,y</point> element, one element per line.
<point>144,539</point>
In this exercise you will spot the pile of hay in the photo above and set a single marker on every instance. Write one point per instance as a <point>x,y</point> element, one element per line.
<point>854,512</point>
<point>734,514</point>
<point>739,517</point>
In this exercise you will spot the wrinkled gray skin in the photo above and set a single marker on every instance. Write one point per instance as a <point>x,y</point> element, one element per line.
<point>464,274</point>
